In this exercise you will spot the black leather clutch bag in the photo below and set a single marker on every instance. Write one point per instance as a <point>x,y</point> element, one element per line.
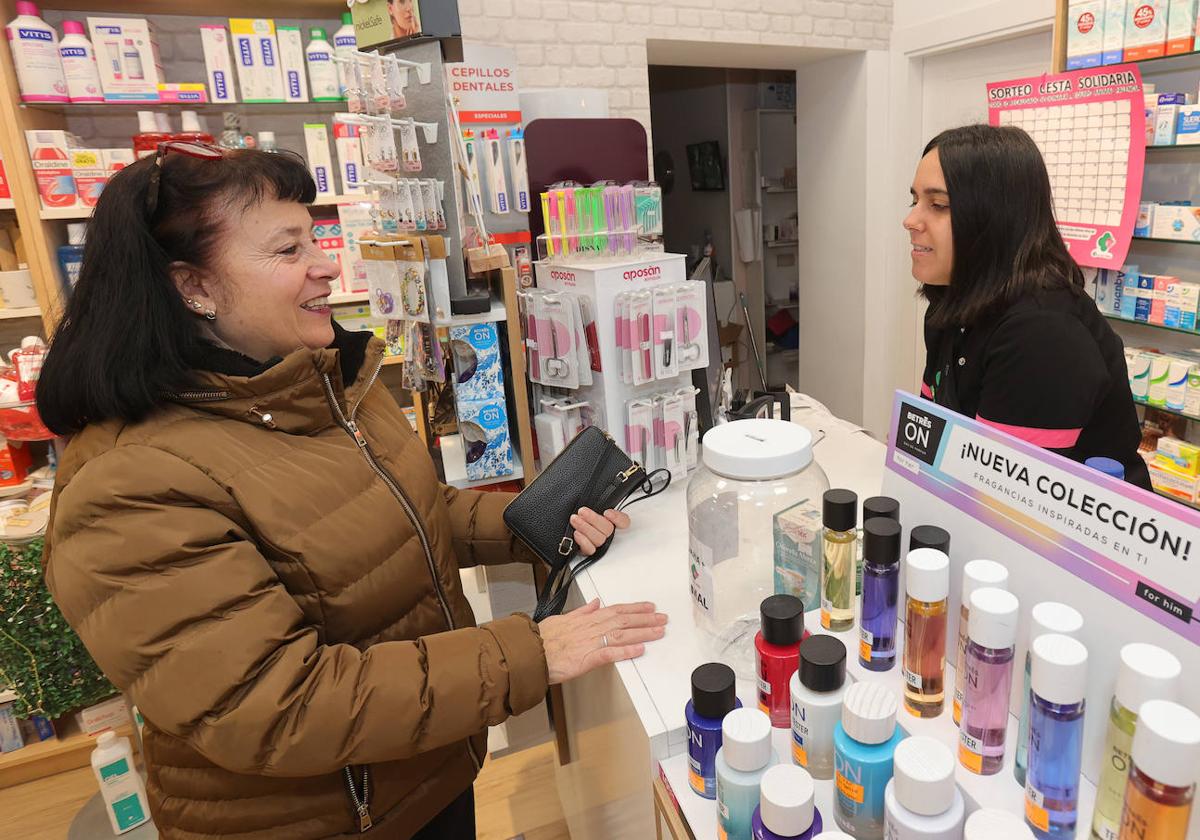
<point>590,472</point>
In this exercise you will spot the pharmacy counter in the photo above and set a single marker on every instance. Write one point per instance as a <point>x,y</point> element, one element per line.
<point>623,721</point>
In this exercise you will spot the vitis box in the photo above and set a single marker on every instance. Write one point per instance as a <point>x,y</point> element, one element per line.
<point>218,64</point>
<point>1114,31</point>
<point>186,93</point>
<point>291,62</point>
<point>1085,34</point>
<point>90,174</point>
<point>127,58</point>
<point>1145,29</point>
<point>1181,27</point>
<point>320,163</point>
<point>347,143</point>
<point>256,52</point>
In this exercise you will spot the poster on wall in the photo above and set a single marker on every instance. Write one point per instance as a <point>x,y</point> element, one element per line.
<point>1090,127</point>
<point>483,86</point>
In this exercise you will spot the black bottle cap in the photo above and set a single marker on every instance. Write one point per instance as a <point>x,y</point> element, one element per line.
<point>840,510</point>
<point>881,542</point>
<point>782,620</point>
<point>714,690</point>
<point>929,536</point>
<point>880,507</point>
<point>822,663</point>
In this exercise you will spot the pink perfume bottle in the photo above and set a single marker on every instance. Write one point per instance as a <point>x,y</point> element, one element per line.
<point>991,644</point>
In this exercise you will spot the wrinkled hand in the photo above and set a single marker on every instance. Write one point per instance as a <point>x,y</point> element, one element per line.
<point>592,530</point>
<point>575,642</point>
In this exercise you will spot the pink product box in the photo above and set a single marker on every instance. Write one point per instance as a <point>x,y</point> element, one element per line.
<point>1158,305</point>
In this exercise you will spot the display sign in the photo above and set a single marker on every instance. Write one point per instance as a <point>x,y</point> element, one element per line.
<point>483,86</point>
<point>1091,128</point>
<point>379,21</point>
<point>1135,546</point>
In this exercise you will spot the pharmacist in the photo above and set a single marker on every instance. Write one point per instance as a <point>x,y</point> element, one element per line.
<point>1011,337</point>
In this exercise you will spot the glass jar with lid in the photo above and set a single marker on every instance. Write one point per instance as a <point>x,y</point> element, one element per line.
<point>751,470</point>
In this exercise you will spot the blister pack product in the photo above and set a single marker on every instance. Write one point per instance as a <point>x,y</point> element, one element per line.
<point>408,211</point>
<point>397,80</point>
<point>691,325</point>
<point>377,91</point>
<point>641,337</point>
<point>434,215</point>
<point>356,93</point>
<point>691,426</point>
<point>590,332</point>
<point>658,451</point>
<point>666,365</point>
<point>674,441</point>
<point>410,150</point>
<point>621,336</point>
<point>551,436</point>
<point>582,357</point>
<point>556,345</point>
<point>639,431</point>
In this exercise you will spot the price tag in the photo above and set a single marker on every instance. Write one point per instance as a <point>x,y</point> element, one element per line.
<point>864,651</point>
<point>914,680</point>
<point>764,687</point>
<point>970,753</point>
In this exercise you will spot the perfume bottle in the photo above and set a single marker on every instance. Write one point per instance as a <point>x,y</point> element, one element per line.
<point>928,588</point>
<point>929,536</point>
<point>1166,764</point>
<point>1046,617</point>
<point>976,575</point>
<point>922,802</point>
<point>1146,673</point>
<point>1058,686</point>
<point>818,689</point>
<point>991,645</point>
<point>881,591</point>
<point>839,541</point>
<point>864,743</point>
<point>778,647</point>
<point>745,755</point>
<point>876,507</point>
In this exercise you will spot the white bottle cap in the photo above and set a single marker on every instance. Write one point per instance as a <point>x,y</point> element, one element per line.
<point>162,122</point>
<point>1166,743</point>
<point>1059,669</point>
<point>1053,617</point>
<point>190,121</point>
<point>1147,673</point>
<point>993,619</point>
<point>77,233</point>
<point>266,138</point>
<point>980,573</point>
<point>106,738</point>
<point>924,776</point>
<point>786,799</point>
<point>757,449</point>
<point>992,824</point>
<point>927,577</point>
<point>146,124</point>
<point>833,835</point>
<point>869,712</point>
<point>746,739</point>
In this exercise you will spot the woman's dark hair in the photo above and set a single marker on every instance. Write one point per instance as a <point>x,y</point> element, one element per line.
<point>1006,244</point>
<point>126,335</point>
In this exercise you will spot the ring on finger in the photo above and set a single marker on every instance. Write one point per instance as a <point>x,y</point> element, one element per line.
<point>604,639</point>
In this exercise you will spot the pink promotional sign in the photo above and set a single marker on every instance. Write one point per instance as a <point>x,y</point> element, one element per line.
<point>1091,128</point>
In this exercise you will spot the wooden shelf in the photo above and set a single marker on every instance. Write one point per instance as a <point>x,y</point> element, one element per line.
<point>1112,317</point>
<point>83,213</point>
<point>327,10</point>
<point>70,750</point>
<point>1177,500</point>
<point>783,243</point>
<point>393,360</point>
<point>21,312</point>
<point>1168,241</point>
<point>93,109</point>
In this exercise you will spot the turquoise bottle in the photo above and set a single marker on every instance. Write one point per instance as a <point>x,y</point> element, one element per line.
<point>864,743</point>
<point>746,754</point>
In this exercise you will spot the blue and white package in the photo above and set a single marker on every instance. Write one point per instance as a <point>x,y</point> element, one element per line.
<point>1145,297</point>
<point>1104,290</point>
<point>1145,219</point>
<point>486,443</point>
<point>1129,292</point>
<point>1187,127</point>
<point>478,373</point>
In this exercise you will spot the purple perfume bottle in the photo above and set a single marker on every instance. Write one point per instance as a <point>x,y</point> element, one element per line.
<point>991,645</point>
<point>880,593</point>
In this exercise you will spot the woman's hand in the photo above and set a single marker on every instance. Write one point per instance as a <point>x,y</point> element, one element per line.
<point>584,639</point>
<point>593,530</point>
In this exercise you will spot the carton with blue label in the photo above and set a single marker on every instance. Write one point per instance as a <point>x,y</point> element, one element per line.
<point>1187,126</point>
<point>1145,298</point>
<point>486,443</point>
<point>1129,292</point>
<point>1176,221</point>
<point>256,52</point>
<point>478,373</point>
<point>127,58</point>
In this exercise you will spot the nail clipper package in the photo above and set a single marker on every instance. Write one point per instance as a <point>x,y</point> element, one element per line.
<point>691,327</point>
<point>621,324</point>
<point>556,330</point>
<point>691,426</point>
<point>582,358</point>
<point>591,334</point>
<point>674,442</point>
<point>641,337</point>
<point>639,432</point>
<point>666,365</point>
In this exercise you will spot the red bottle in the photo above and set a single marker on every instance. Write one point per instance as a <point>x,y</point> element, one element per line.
<point>192,129</point>
<point>146,141</point>
<point>778,645</point>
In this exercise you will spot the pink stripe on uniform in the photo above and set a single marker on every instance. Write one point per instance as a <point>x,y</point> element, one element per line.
<point>1045,438</point>
<point>926,391</point>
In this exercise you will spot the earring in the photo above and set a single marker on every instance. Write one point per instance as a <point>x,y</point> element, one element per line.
<point>211,314</point>
<point>192,303</point>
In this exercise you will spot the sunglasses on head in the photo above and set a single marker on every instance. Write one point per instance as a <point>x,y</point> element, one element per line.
<point>202,151</point>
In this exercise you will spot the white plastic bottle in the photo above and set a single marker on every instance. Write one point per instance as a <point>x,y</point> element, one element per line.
<point>34,45</point>
<point>131,60</point>
<point>345,45</point>
<point>922,802</point>
<point>817,688</point>
<point>993,824</point>
<point>322,71</point>
<point>120,783</point>
<point>79,64</point>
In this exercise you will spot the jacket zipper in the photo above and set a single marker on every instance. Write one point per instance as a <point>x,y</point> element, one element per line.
<point>351,427</point>
<point>198,396</point>
<point>362,804</point>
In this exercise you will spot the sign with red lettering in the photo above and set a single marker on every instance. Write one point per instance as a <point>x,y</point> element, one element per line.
<point>484,85</point>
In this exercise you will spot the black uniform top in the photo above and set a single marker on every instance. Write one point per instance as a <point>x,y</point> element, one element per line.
<point>1049,370</point>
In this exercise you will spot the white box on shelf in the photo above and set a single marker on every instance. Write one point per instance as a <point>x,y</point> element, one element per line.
<point>320,162</point>
<point>218,64</point>
<point>1145,29</point>
<point>257,55</point>
<point>1114,31</point>
<point>291,62</point>
<point>1187,126</point>
<point>347,143</point>
<point>1181,26</point>
<point>1174,221</point>
<point>1085,34</point>
<point>1165,117</point>
<point>127,58</point>
<point>1145,219</point>
<point>110,714</point>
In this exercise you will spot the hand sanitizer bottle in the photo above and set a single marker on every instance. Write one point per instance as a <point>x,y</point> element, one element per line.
<point>120,783</point>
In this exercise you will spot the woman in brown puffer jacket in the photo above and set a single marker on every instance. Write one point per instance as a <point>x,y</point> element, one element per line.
<point>253,543</point>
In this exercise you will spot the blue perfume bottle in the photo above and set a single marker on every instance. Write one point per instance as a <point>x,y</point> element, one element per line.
<point>1056,706</point>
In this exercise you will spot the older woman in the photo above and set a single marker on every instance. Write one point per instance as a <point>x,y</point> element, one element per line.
<point>253,543</point>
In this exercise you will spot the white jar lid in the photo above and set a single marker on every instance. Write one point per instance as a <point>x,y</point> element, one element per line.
<point>1059,670</point>
<point>1147,673</point>
<point>924,776</point>
<point>786,800</point>
<point>1053,617</point>
<point>757,449</point>
<point>993,824</point>
<point>869,712</point>
<point>833,835</point>
<point>980,573</point>
<point>927,576</point>
<point>746,739</point>
<point>993,619</point>
<point>1166,743</point>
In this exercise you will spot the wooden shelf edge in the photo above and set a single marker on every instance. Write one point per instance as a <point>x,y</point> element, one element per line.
<point>71,750</point>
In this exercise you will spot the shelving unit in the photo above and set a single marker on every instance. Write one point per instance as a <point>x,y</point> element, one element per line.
<point>21,312</point>
<point>1119,319</point>
<point>1167,241</point>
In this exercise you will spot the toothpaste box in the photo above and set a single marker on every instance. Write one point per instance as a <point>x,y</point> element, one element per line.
<point>1145,29</point>
<point>1145,297</point>
<point>1158,304</point>
<point>256,52</point>
<point>1189,304</point>
<point>1174,221</point>
<point>1114,31</point>
<point>1129,292</point>
<point>348,145</point>
<point>90,174</point>
<point>127,58</point>
<point>187,93</point>
<point>320,163</point>
<point>478,372</point>
<point>483,425</point>
<point>291,63</point>
<point>1145,219</point>
<point>1085,33</point>
<point>218,64</point>
<point>1181,27</point>
<point>797,532</point>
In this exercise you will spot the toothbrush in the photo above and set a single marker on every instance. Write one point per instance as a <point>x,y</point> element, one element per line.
<point>610,218</point>
<point>625,197</point>
<point>547,216</point>
<point>473,173</point>
<point>520,175</point>
<point>494,167</point>
<point>566,219</point>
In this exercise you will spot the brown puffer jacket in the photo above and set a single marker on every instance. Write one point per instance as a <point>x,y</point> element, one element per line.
<point>268,566</point>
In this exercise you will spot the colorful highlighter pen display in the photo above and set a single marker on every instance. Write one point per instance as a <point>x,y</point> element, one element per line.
<point>1146,673</point>
<point>778,647</point>
<point>922,802</point>
<point>880,594</point>
<point>864,743</point>
<point>1058,686</point>
<point>1166,766</point>
<point>603,221</point>
<point>927,583</point>
<point>839,543</point>
<point>818,689</point>
<point>976,574</point>
<point>991,645</point>
<point>1046,617</point>
<point>745,755</point>
<point>714,695</point>
<point>787,809</point>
